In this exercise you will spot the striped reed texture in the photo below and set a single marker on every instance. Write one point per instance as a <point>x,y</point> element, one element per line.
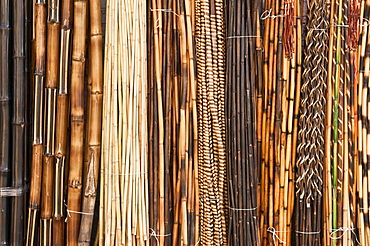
<point>210,36</point>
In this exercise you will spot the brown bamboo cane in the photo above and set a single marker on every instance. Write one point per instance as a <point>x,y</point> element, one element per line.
<point>94,134</point>
<point>5,118</point>
<point>37,145</point>
<point>77,121</point>
<point>62,119</point>
<point>52,66</point>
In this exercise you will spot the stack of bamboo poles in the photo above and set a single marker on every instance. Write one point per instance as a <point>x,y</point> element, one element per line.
<point>244,81</point>
<point>310,150</point>
<point>281,97</point>
<point>51,123</point>
<point>13,77</point>
<point>213,196</point>
<point>123,211</point>
<point>173,146</point>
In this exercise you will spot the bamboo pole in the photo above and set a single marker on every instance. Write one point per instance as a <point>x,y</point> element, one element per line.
<point>77,121</point>
<point>52,66</point>
<point>62,119</point>
<point>5,169</point>
<point>94,123</point>
<point>37,145</point>
<point>19,123</point>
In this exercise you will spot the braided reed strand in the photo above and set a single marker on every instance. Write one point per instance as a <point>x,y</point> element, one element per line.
<point>310,150</point>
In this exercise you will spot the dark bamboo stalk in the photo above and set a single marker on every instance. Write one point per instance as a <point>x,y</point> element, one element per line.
<point>37,145</point>
<point>19,123</point>
<point>5,127</point>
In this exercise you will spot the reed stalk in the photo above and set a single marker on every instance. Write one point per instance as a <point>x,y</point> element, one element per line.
<point>5,119</point>
<point>94,123</point>
<point>38,140</point>
<point>77,121</point>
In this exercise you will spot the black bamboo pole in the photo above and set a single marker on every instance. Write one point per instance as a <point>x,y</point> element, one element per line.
<point>18,127</point>
<point>4,118</point>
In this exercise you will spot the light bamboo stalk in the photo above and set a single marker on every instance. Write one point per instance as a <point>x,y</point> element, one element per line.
<point>77,122</point>
<point>94,122</point>
<point>52,75</point>
<point>37,145</point>
<point>62,119</point>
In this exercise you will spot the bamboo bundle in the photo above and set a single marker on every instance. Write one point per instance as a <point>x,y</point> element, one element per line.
<point>94,124</point>
<point>240,107</point>
<point>282,73</point>
<point>52,75</point>
<point>174,74</point>
<point>37,144</point>
<point>5,119</point>
<point>18,123</point>
<point>123,211</point>
<point>61,123</point>
<point>210,35</point>
<point>77,122</point>
<point>310,150</point>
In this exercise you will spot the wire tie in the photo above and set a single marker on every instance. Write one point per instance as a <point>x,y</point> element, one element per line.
<point>308,232</point>
<point>344,230</point>
<point>244,209</point>
<point>244,37</point>
<point>125,174</point>
<point>155,235</point>
<point>274,235</point>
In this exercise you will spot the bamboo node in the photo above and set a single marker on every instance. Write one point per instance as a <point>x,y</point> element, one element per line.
<point>12,191</point>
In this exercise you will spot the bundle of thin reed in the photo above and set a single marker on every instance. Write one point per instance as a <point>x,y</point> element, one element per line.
<point>94,117</point>
<point>62,121</point>
<point>210,36</point>
<point>77,122</point>
<point>173,178</point>
<point>19,162</point>
<point>52,75</point>
<point>37,144</point>
<point>282,73</point>
<point>310,150</point>
<point>123,211</point>
<point>5,119</point>
<point>241,82</point>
